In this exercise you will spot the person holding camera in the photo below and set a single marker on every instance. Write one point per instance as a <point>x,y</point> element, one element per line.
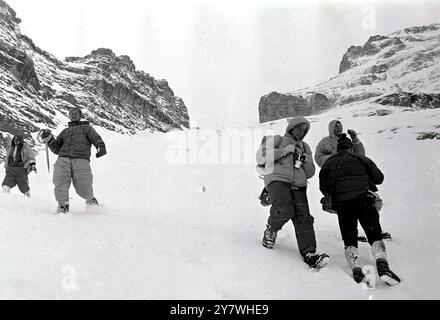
<point>346,177</point>
<point>73,146</point>
<point>288,163</point>
<point>19,162</point>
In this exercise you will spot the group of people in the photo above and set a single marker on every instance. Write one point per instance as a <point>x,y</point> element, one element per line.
<point>346,174</point>
<point>73,147</point>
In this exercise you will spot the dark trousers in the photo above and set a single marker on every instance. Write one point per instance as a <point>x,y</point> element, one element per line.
<point>289,204</point>
<point>16,176</point>
<point>352,211</point>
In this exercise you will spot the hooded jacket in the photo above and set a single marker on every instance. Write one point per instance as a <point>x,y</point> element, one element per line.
<point>27,154</point>
<point>280,166</point>
<point>76,141</point>
<point>328,145</point>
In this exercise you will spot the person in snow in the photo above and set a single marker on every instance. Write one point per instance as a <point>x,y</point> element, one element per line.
<point>346,176</point>
<point>328,147</point>
<point>288,163</point>
<point>19,162</point>
<point>73,147</point>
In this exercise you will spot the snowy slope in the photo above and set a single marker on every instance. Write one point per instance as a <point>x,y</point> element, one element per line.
<point>160,235</point>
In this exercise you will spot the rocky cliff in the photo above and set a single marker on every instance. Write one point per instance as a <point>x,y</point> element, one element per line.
<point>37,90</point>
<point>401,69</point>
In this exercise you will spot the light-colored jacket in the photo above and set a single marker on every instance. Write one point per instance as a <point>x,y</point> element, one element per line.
<point>27,155</point>
<point>328,146</point>
<point>279,166</point>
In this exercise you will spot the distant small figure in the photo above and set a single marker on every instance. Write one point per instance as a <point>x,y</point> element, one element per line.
<point>19,162</point>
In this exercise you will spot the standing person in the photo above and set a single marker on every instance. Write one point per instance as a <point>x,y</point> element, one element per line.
<point>19,162</point>
<point>328,147</point>
<point>73,147</point>
<point>288,164</point>
<point>346,177</point>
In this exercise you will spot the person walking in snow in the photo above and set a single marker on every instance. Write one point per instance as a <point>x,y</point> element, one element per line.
<point>288,163</point>
<point>327,147</point>
<point>73,147</point>
<point>19,162</point>
<point>346,176</point>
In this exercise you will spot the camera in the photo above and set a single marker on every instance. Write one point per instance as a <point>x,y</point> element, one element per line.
<point>299,160</point>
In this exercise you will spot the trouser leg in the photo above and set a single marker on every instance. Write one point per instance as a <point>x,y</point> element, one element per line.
<point>303,223</point>
<point>282,209</point>
<point>62,179</point>
<point>9,181</point>
<point>82,178</point>
<point>22,179</point>
<point>348,221</point>
<point>369,221</point>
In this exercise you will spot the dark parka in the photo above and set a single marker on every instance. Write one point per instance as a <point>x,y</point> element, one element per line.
<point>356,175</point>
<point>76,140</point>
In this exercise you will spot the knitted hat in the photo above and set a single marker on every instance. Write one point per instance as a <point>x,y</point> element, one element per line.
<point>344,143</point>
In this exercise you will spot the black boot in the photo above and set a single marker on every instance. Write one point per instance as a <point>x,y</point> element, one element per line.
<point>385,274</point>
<point>92,202</point>
<point>269,237</point>
<point>63,208</point>
<point>358,275</point>
<point>315,260</point>
<point>386,236</point>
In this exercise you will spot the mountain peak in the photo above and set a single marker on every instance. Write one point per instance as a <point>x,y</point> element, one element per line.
<point>7,13</point>
<point>400,69</point>
<point>37,90</point>
<point>103,52</point>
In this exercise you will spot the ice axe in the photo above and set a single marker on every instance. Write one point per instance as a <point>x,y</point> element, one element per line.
<point>41,140</point>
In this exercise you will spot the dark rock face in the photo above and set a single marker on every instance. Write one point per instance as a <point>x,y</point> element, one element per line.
<point>35,87</point>
<point>414,100</point>
<point>421,29</point>
<point>373,46</point>
<point>276,105</point>
<point>19,64</point>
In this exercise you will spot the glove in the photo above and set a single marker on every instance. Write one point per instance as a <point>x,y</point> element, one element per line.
<point>289,149</point>
<point>353,135</point>
<point>31,168</point>
<point>46,135</point>
<point>101,152</point>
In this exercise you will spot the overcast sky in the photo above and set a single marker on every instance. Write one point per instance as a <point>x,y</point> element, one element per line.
<point>220,57</point>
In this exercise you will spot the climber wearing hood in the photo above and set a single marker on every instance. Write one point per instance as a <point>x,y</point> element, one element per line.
<point>288,163</point>
<point>328,145</point>
<point>19,162</point>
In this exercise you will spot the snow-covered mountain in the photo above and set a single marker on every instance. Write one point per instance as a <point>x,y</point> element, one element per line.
<point>401,69</point>
<point>37,89</point>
